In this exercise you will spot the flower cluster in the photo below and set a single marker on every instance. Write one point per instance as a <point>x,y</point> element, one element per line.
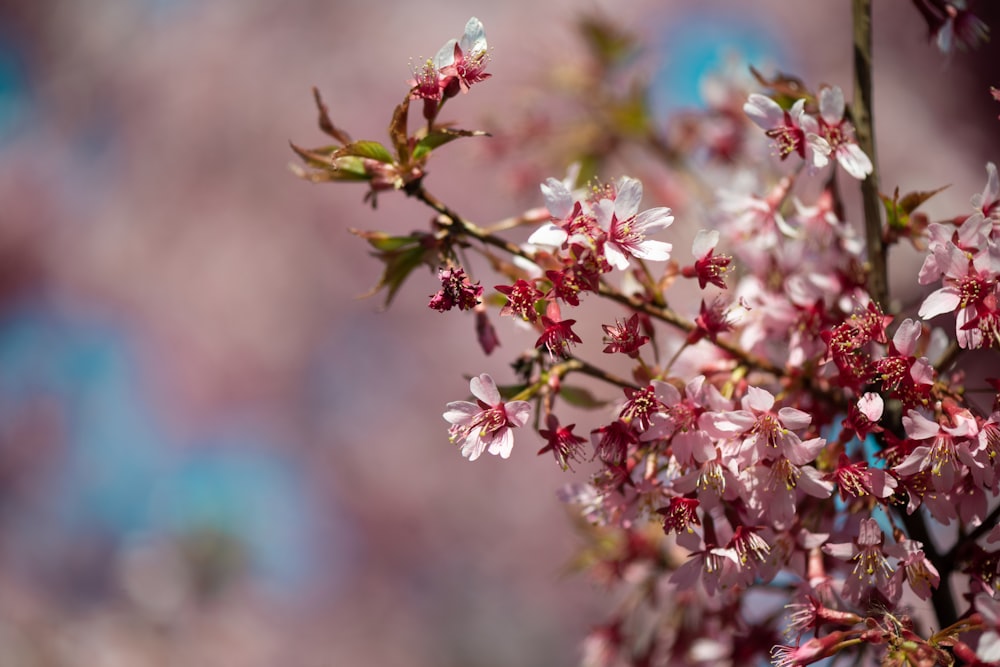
<point>797,434</point>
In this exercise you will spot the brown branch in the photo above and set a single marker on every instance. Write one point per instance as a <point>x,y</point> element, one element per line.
<point>864,126</point>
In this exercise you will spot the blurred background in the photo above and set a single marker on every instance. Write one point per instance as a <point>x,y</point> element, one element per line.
<point>211,451</point>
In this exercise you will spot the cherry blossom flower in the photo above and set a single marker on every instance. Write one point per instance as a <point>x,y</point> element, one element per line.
<point>793,131</point>
<point>627,229</point>
<point>812,651</point>
<point>624,337</point>
<point>456,291</point>
<point>487,424</point>
<point>857,479</point>
<point>680,515</point>
<point>462,62</point>
<point>457,65</point>
<point>949,449</point>
<point>914,567</point>
<point>713,319</point>
<point>838,134</point>
<point>561,441</point>
<point>871,567</point>
<point>708,267</point>
<point>764,434</point>
<point>557,334</point>
<point>521,298</point>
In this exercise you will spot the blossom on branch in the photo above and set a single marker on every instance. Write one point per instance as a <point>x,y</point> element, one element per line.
<point>487,424</point>
<point>628,230</point>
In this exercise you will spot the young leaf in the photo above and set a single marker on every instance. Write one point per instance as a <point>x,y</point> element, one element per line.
<point>440,136</point>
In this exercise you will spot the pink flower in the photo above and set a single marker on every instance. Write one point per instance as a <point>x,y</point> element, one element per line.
<point>708,267</point>
<point>485,425</point>
<point>792,131</point>
<point>561,441</point>
<point>838,134</point>
<point>765,434</point>
<point>456,291</point>
<point>871,567</point>
<point>913,566</point>
<point>463,62</point>
<point>627,229</point>
<point>457,65</point>
<point>521,298</point>
<point>624,337</point>
<point>558,334</point>
<point>950,447</point>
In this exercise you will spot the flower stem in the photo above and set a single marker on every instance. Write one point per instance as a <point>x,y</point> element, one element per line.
<point>864,125</point>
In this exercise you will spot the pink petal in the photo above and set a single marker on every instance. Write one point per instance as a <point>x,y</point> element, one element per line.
<point>919,427</point>
<point>518,412</point>
<point>906,337</point>
<point>485,389</point>
<point>871,405</point>
<point>793,418</point>
<point>941,301</point>
<point>758,399</point>
<point>461,412</point>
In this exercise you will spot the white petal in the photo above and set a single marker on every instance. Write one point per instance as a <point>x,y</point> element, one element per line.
<point>628,197</point>
<point>656,251</point>
<point>503,444</point>
<point>615,256</point>
<point>854,161</point>
<point>654,219</point>
<point>474,39</point>
<point>919,427</point>
<point>763,111</point>
<point>558,198</point>
<point>831,104</point>
<point>550,235</point>
<point>704,241</point>
<point>871,406</point>
<point>446,54</point>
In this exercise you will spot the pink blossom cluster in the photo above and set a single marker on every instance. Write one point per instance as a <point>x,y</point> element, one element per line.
<point>793,437</point>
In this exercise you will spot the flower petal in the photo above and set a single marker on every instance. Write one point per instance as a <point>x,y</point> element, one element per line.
<point>485,389</point>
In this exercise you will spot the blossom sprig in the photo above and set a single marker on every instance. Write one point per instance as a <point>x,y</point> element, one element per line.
<point>458,64</point>
<point>799,433</point>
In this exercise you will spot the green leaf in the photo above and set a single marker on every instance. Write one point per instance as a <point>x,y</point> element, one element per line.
<point>580,397</point>
<point>400,255</point>
<point>365,149</point>
<point>898,211</point>
<point>440,136</point>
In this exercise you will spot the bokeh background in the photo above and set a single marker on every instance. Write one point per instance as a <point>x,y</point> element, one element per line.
<point>211,451</point>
